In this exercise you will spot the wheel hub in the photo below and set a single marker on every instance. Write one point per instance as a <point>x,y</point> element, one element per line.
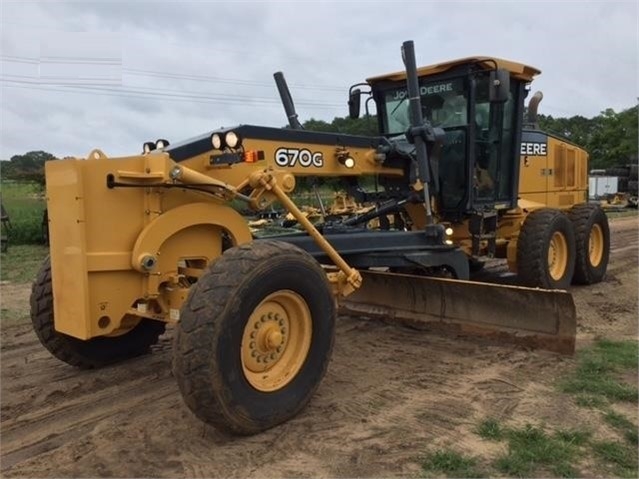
<point>272,339</point>
<point>276,340</point>
<point>595,245</point>
<point>557,256</point>
<point>267,339</point>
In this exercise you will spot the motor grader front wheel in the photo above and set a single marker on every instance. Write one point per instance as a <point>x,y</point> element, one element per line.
<point>85,354</point>
<point>592,236</point>
<point>546,250</point>
<point>254,337</point>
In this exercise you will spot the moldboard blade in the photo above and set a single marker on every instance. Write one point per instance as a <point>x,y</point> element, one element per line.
<point>532,317</point>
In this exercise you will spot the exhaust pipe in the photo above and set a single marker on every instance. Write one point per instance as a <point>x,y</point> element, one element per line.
<point>533,104</point>
<point>287,101</point>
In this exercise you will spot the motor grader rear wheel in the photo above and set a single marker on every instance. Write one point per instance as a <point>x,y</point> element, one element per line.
<point>85,354</point>
<point>254,337</point>
<point>546,250</point>
<point>592,236</point>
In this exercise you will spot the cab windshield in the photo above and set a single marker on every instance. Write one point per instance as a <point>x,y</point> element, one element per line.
<point>476,160</point>
<point>444,105</point>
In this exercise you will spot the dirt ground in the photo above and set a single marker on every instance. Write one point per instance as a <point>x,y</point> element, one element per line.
<point>390,394</point>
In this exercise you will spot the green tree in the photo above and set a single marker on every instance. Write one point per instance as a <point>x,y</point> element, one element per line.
<point>577,129</point>
<point>366,126</point>
<point>614,138</point>
<point>28,167</point>
<point>610,138</point>
<point>319,125</point>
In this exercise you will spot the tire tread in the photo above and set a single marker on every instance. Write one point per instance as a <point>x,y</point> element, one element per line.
<point>581,216</point>
<point>532,263</point>
<point>194,349</point>
<point>89,354</point>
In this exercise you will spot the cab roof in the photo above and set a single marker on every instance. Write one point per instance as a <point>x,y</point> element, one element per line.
<point>517,70</point>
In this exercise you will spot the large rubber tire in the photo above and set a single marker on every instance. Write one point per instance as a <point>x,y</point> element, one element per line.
<point>210,345</point>
<point>592,238</point>
<point>544,232</point>
<point>85,354</point>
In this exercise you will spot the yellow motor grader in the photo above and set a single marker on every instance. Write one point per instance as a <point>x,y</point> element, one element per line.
<point>141,241</point>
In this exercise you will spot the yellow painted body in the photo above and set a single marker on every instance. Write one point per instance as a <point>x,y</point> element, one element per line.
<point>101,238</point>
<point>365,162</point>
<point>516,69</point>
<point>99,235</point>
<point>130,252</point>
<point>558,179</point>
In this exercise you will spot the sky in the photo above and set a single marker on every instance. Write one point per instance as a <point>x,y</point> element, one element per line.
<point>113,74</point>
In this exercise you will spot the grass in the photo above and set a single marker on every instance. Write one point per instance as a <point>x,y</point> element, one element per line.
<point>24,204</point>
<point>590,401</point>
<point>531,452</point>
<point>10,315</point>
<point>490,429</point>
<point>534,451</point>
<point>622,459</point>
<point>531,448</point>
<point>596,375</point>
<point>623,425</point>
<point>573,436</point>
<point>450,464</point>
<point>596,383</point>
<point>21,263</point>
<point>18,266</point>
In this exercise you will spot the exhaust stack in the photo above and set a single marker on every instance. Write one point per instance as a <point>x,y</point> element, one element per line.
<point>287,101</point>
<point>533,104</point>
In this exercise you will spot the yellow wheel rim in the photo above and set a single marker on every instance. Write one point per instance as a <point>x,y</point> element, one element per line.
<point>557,256</point>
<point>276,341</point>
<point>595,245</point>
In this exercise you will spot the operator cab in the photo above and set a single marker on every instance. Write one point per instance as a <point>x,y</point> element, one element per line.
<point>477,167</point>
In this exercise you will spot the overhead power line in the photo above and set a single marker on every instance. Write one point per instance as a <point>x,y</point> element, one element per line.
<point>159,74</point>
<point>156,96</point>
<point>53,81</point>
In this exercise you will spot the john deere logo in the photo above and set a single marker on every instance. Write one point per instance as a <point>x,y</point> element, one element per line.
<point>533,149</point>
<point>425,90</point>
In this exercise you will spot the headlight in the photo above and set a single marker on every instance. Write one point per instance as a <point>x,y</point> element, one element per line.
<point>216,141</point>
<point>232,139</point>
<point>162,144</point>
<point>449,231</point>
<point>347,161</point>
<point>148,147</point>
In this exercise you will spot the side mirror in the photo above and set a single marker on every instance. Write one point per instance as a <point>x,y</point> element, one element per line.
<point>499,85</point>
<point>354,102</point>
